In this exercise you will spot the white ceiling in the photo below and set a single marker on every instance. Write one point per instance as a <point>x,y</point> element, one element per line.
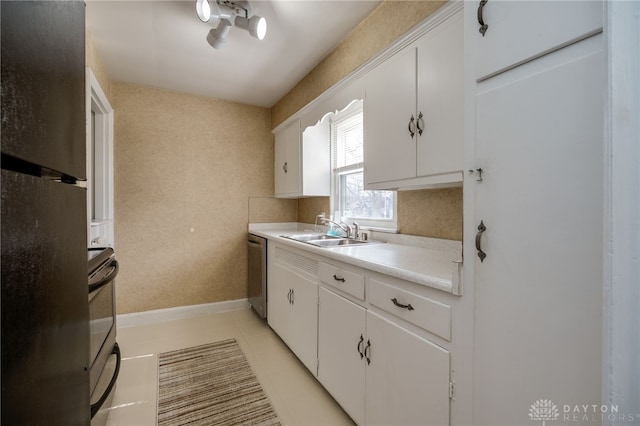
<point>163,44</point>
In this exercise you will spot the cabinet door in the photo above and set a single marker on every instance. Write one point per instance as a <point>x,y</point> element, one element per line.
<point>341,332</point>
<point>539,289</point>
<point>287,161</point>
<point>304,320</point>
<point>408,377</point>
<point>440,98</point>
<point>519,31</point>
<point>279,306</point>
<point>389,149</point>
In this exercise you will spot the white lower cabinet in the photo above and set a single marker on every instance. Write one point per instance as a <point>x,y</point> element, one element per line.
<point>378,371</point>
<point>374,342</point>
<point>407,380</point>
<point>293,305</point>
<point>341,370</point>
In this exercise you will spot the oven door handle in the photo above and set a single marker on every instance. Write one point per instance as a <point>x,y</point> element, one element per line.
<point>95,407</point>
<point>110,277</point>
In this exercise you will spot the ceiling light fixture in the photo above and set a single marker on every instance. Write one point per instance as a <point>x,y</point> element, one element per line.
<point>227,12</point>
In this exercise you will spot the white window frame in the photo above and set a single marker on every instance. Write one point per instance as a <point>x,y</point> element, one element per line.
<point>336,199</point>
<point>100,217</point>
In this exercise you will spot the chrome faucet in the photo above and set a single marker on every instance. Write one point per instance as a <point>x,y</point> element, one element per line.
<point>345,228</point>
<point>356,230</point>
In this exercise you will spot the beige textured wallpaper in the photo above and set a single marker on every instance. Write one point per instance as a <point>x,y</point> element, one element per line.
<point>94,61</point>
<point>268,209</point>
<point>185,169</point>
<point>383,26</point>
<point>433,213</point>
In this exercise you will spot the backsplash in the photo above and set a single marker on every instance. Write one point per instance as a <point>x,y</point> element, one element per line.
<point>435,213</point>
<point>269,210</point>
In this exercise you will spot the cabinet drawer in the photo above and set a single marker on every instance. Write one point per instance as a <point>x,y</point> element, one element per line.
<point>424,312</point>
<point>350,282</point>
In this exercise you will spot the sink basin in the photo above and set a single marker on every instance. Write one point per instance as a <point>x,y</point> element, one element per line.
<point>311,237</point>
<point>322,240</point>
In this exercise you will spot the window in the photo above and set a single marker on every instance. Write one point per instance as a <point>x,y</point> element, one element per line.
<point>349,200</point>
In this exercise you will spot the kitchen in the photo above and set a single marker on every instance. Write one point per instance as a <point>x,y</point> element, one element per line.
<point>191,172</point>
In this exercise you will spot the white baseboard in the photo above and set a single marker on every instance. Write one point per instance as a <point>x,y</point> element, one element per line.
<point>180,312</point>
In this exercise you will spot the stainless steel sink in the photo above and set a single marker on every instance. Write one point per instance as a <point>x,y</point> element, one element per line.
<point>339,242</point>
<point>322,240</point>
<point>311,237</point>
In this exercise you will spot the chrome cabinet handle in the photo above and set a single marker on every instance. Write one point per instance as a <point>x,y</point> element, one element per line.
<point>481,229</point>
<point>400,305</point>
<point>483,26</point>
<point>359,345</point>
<point>412,126</point>
<point>292,296</point>
<point>337,278</point>
<point>368,347</point>
<point>420,124</point>
<point>285,167</point>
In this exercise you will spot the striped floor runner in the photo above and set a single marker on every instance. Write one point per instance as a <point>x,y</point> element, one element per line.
<point>210,384</point>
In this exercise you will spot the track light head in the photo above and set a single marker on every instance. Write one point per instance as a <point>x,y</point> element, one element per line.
<point>256,25</point>
<point>217,36</point>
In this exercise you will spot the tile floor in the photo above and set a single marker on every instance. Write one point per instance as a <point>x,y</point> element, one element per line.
<point>295,394</point>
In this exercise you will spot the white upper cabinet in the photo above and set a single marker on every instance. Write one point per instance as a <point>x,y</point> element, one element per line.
<point>390,104</point>
<point>519,31</point>
<point>413,113</point>
<point>302,160</point>
<point>288,181</point>
<point>440,99</point>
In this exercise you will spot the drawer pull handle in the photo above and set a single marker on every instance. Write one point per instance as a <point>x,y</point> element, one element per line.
<point>359,345</point>
<point>400,305</point>
<point>337,278</point>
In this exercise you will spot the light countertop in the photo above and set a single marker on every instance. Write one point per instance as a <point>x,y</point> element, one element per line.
<point>427,261</point>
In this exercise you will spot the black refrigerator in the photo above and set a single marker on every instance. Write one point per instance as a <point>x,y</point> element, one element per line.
<point>44,308</point>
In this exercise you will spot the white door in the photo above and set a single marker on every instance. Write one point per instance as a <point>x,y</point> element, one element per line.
<point>440,98</point>
<point>390,103</point>
<point>518,31</point>
<point>407,378</point>
<point>304,320</point>
<point>539,289</point>
<point>341,333</point>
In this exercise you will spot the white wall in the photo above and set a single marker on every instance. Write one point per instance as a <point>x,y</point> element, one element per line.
<point>621,366</point>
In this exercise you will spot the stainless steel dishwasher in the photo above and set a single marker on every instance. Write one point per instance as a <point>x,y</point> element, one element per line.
<point>257,274</point>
